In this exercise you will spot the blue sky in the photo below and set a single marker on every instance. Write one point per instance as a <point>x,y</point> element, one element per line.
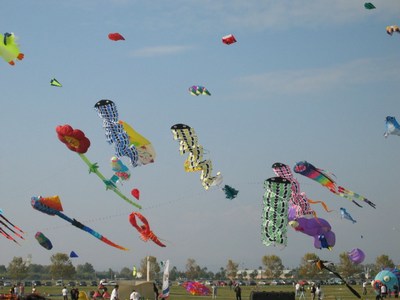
<point>307,80</point>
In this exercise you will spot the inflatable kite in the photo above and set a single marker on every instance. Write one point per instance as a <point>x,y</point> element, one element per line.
<point>43,240</point>
<point>76,141</point>
<point>144,230</point>
<point>55,82</point>
<point>116,37</point>
<point>391,29</point>
<point>306,169</point>
<point>115,133</point>
<point>145,149</point>
<point>196,288</point>
<point>345,215</point>
<point>188,143</point>
<point>6,225</point>
<point>73,254</point>
<point>275,211</point>
<point>356,256</point>
<point>369,5</point>
<point>52,207</point>
<point>392,126</point>
<point>320,264</point>
<point>197,90</point>
<point>9,49</point>
<point>229,39</point>
<point>388,276</point>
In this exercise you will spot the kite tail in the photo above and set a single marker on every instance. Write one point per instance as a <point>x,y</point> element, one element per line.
<point>322,203</point>
<point>16,227</point>
<point>17,234</point>
<point>356,196</point>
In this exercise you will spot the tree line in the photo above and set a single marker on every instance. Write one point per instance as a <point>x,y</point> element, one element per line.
<point>272,267</point>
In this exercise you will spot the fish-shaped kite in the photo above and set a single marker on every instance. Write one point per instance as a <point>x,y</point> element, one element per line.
<point>322,177</point>
<point>345,215</point>
<point>51,206</point>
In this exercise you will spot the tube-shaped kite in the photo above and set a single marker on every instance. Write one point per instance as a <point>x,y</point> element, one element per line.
<point>43,240</point>
<point>144,230</point>
<point>356,255</point>
<point>47,207</point>
<point>76,141</point>
<point>322,177</point>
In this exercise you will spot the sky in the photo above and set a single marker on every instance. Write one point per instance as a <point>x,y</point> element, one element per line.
<point>307,80</point>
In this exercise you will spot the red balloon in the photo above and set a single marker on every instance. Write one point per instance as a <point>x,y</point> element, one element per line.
<point>116,37</point>
<point>135,193</point>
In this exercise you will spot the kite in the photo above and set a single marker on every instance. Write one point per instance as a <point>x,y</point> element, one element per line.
<point>345,215</point>
<point>51,206</point>
<point>73,254</point>
<point>9,49</point>
<point>392,126</point>
<point>356,256</point>
<point>389,276</point>
<point>134,271</point>
<point>320,264</point>
<point>230,192</point>
<point>135,193</point>
<point>6,225</point>
<point>306,169</point>
<point>143,146</point>
<point>196,288</point>
<point>228,39</point>
<point>197,90</point>
<point>55,82</point>
<point>115,133</point>
<point>188,143</point>
<point>144,230</point>
<point>275,211</point>
<point>369,5</point>
<point>391,29</point>
<point>116,37</point>
<point>76,141</point>
<point>121,171</point>
<point>43,240</point>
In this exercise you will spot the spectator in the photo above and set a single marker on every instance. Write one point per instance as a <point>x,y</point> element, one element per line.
<point>64,292</point>
<point>238,292</point>
<point>106,294</point>
<point>214,291</point>
<point>364,286</point>
<point>312,291</point>
<point>396,291</point>
<point>302,292</point>
<point>134,295</point>
<point>115,293</point>
<point>155,290</point>
<point>319,292</point>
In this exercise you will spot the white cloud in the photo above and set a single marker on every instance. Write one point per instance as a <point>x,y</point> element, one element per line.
<point>160,50</point>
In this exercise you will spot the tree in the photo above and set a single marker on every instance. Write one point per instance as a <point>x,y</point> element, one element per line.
<point>17,269</point>
<point>61,266</point>
<point>191,269</point>
<point>231,269</point>
<point>85,271</point>
<point>273,266</point>
<point>154,267</point>
<point>346,267</point>
<point>383,261</point>
<point>126,273</point>
<point>306,269</point>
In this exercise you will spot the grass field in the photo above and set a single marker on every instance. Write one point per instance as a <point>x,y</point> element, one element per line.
<point>331,292</point>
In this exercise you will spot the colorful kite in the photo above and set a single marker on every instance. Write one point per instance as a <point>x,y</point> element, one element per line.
<point>145,149</point>
<point>356,256</point>
<point>76,141</point>
<point>121,171</point>
<point>391,29</point>
<point>196,288</point>
<point>197,90</point>
<point>51,206</point>
<point>115,133</point>
<point>345,215</point>
<point>116,37</point>
<point>228,39</point>
<point>369,5</point>
<point>55,82</point>
<point>6,225</point>
<point>322,177</point>
<point>144,230</point>
<point>320,264</point>
<point>73,254</point>
<point>275,211</point>
<point>392,126</point>
<point>43,240</point>
<point>9,49</point>
<point>188,143</point>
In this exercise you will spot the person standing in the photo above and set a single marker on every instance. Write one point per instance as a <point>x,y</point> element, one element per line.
<point>214,291</point>
<point>155,290</point>
<point>312,291</point>
<point>134,295</point>
<point>238,292</point>
<point>115,293</point>
<point>396,291</point>
<point>364,285</point>
<point>297,289</point>
<point>302,292</point>
<point>64,292</point>
<point>319,292</point>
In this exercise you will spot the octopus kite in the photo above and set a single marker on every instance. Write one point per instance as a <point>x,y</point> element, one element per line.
<point>9,49</point>
<point>76,141</point>
<point>144,230</point>
<point>322,177</point>
<point>8,229</point>
<point>52,207</point>
<point>275,211</point>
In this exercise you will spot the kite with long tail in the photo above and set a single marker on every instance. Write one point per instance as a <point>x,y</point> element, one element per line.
<point>52,207</point>
<point>320,264</point>
<point>322,177</point>
<point>76,141</point>
<point>6,225</point>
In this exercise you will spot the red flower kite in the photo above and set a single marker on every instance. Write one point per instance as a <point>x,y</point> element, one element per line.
<point>74,139</point>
